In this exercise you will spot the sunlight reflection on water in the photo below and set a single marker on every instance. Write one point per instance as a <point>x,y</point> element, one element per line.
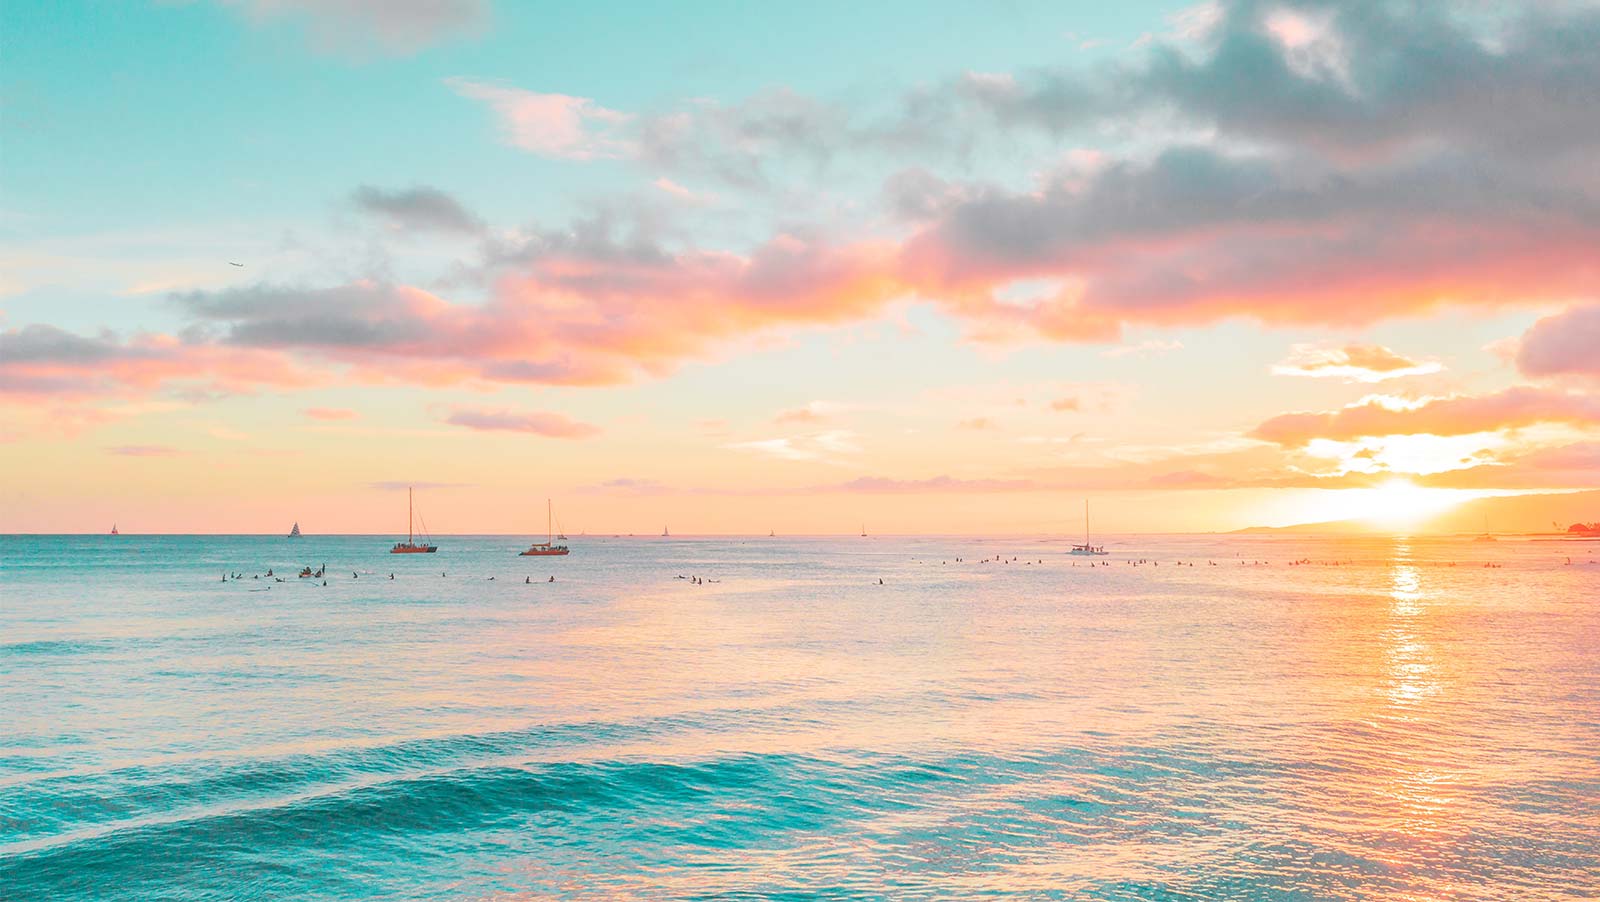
<point>1393,727</point>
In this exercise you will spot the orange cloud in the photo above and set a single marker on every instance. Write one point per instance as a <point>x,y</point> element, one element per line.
<point>1457,415</point>
<point>1353,362</point>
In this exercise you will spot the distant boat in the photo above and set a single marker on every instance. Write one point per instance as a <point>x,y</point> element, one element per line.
<point>547,548</point>
<point>863,530</point>
<point>665,534</point>
<point>114,530</point>
<point>1087,550</point>
<point>1487,536</point>
<point>773,534</point>
<point>410,546</point>
<point>295,532</point>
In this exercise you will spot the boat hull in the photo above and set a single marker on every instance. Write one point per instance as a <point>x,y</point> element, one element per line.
<point>542,554</point>
<point>414,549</point>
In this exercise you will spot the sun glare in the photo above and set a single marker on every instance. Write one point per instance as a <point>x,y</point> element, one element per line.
<point>1396,504</point>
<point>1400,502</point>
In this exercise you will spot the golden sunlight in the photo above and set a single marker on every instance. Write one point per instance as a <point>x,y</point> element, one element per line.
<point>1395,504</point>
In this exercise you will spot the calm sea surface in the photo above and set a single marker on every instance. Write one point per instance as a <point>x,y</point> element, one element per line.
<point>1394,727</point>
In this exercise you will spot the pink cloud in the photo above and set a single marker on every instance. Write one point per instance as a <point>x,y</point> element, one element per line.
<point>1567,344</point>
<point>329,413</point>
<point>398,26</point>
<point>550,425</point>
<point>551,125</point>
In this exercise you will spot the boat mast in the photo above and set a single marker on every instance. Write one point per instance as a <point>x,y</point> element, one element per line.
<point>547,534</point>
<point>1085,521</point>
<point>408,515</point>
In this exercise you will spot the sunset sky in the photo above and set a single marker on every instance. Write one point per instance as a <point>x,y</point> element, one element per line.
<point>804,267</point>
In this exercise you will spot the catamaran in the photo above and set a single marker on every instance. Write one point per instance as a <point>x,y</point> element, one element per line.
<point>547,548</point>
<point>1487,535</point>
<point>410,546</point>
<point>1087,550</point>
<point>295,532</point>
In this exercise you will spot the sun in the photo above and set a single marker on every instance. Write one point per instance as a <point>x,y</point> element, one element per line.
<point>1394,505</point>
<point>1400,502</point>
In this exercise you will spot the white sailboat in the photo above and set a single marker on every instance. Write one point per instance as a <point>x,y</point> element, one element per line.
<point>1086,549</point>
<point>295,532</point>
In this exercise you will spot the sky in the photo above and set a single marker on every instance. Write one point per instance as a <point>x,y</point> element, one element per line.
<point>730,268</point>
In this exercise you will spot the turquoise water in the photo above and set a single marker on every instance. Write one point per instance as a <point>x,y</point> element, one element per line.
<point>1406,725</point>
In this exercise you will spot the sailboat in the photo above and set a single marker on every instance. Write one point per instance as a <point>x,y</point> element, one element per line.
<point>863,530</point>
<point>547,548</point>
<point>295,532</point>
<point>1487,535</point>
<point>410,546</point>
<point>665,534</point>
<point>1087,550</point>
<point>114,530</point>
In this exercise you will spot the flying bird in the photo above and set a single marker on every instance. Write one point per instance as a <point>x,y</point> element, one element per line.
<point>231,263</point>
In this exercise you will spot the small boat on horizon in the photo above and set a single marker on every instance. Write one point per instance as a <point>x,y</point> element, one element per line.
<point>665,533</point>
<point>1487,535</point>
<point>410,545</point>
<point>114,530</point>
<point>295,532</point>
<point>1086,549</point>
<point>547,548</point>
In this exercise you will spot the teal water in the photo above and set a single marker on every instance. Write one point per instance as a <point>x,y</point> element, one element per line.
<point>1405,725</point>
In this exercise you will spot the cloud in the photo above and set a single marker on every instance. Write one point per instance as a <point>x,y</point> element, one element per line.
<point>882,485</point>
<point>420,209</point>
<point>550,425</point>
<point>1064,405</point>
<point>144,451</point>
<point>824,447</point>
<point>978,424</point>
<point>1567,344</point>
<point>399,486</point>
<point>551,125</point>
<point>575,307</point>
<point>1353,363</point>
<point>1198,235</point>
<point>1511,408</point>
<point>44,363</point>
<point>799,415</point>
<point>394,26</point>
<point>329,413</point>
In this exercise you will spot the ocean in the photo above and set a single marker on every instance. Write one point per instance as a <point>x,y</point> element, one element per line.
<point>760,718</point>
